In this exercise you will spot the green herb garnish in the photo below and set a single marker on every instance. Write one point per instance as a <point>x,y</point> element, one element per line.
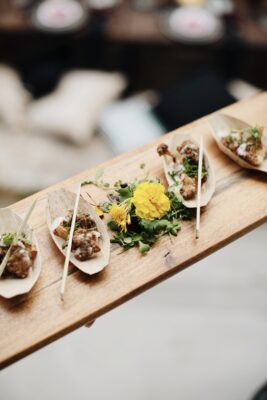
<point>191,168</point>
<point>142,232</point>
<point>173,176</point>
<point>7,238</point>
<point>256,135</point>
<point>97,181</point>
<point>129,228</point>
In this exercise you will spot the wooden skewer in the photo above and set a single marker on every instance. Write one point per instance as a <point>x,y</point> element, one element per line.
<point>16,236</point>
<point>199,179</point>
<point>67,259</point>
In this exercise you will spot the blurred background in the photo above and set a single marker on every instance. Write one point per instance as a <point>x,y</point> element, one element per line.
<point>81,81</point>
<point>73,74</point>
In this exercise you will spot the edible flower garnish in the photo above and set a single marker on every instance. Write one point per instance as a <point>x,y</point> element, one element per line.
<point>142,211</point>
<point>119,215</point>
<point>150,200</point>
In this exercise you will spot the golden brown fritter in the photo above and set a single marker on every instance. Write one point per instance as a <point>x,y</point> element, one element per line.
<point>21,259</point>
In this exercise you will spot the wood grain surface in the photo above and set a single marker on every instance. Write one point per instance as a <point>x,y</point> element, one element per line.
<point>239,204</point>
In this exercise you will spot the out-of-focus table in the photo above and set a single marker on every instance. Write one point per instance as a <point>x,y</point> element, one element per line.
<point>29,322</point>
<point>125,24</point>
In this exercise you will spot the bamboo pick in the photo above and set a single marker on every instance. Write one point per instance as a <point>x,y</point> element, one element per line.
<point>67,258</point>
<point>199,179</point>
<point>16,236</point>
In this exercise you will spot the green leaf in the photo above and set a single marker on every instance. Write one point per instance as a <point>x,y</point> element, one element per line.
<point>99,173</point>
<point>157,226</point>
<point>143,247</point>
<point>136,237</point>
<point>105,207</point>
<point>128,240</point>
<point>88,183</point>
<point>113,226</point>
<point>191,167</point>
<point>173,176</point>
<point>125,193</point>
<point>7,238</point>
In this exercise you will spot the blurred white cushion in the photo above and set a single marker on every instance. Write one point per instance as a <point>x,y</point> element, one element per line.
<point>44,161</point>
<point>73,109</point>
<point>13,99</point>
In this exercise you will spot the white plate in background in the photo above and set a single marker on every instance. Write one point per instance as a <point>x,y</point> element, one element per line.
<point>192,25</point>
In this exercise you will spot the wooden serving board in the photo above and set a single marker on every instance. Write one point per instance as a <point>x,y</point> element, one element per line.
<point>240,204</point>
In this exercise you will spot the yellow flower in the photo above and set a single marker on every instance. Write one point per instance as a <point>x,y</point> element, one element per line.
<point>150,200</point>
<point>99,211</point>
<point>119,215</point>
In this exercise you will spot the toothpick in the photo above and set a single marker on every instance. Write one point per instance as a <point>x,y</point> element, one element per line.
<point>199,179</point>
<point>67,258</point>
<point>16,236</point>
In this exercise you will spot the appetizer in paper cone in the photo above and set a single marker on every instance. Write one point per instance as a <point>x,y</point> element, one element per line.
<point>180,161</point>
<point>24,262</point>
<point>91,244</point>
<point>244,144</point>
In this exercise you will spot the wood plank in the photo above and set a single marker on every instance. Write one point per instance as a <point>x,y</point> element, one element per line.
<point>239,205</point>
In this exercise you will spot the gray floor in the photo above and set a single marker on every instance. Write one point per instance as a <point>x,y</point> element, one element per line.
<point>200,335</point>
